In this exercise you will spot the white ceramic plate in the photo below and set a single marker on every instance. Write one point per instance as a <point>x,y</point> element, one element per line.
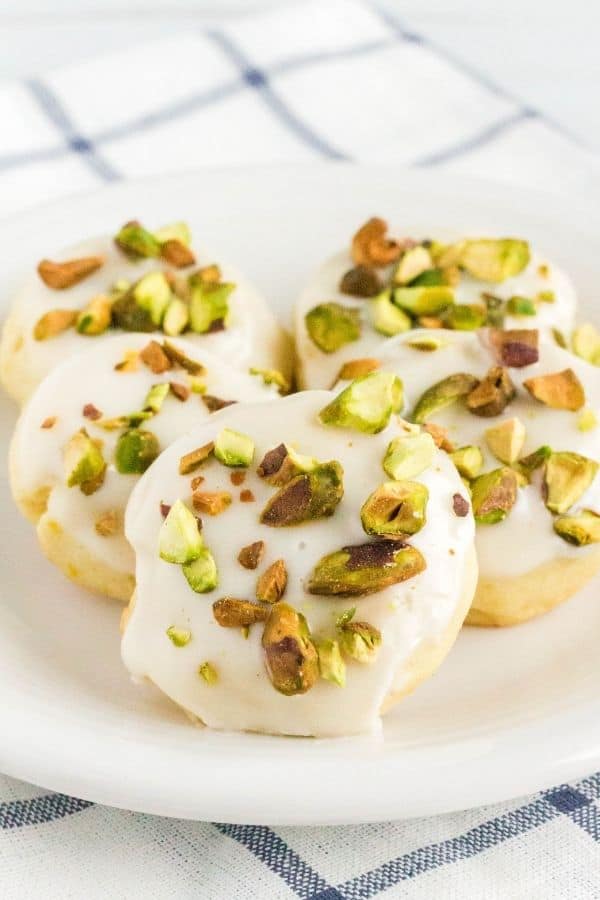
<point>509,712</point>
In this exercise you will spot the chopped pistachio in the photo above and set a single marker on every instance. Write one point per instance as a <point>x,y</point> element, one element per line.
<point>208,673</point>
<point>91,412</point>
<point>108,523</point>
<point>152,293</point>
<point>494,260</point>
<point>423,301</point>
<point>360,641</point>
<point>291,658</point>
<point>580,529</point>
<point>309,496</point>
<point>515,348</point>
<point>466,317</point>
<point>206,275</point>
<point>430,322</point>
<point>448,390</point>
<point>136,450</point>
<point>506,440</point>
<point>496,309</point>
<point>468,460</point>
<point>54,322</point>
<point>440,436</point>
<point>587,421</point>
<point>230,612</point>
<point>345,617</point>
<point>528,464</point>
<point>362,281</point>
<point>179,636</point>
<point>201,574</point>
<point>493,393</point>
<point>209,305</point>
<point>49,422</point>
<point>129,363</point>
<point>61,275</point>
<point>246,496</point>
<point>156,397</point>
<point>190,461</point>
<point>197,385</point>
<point>211,502</point>
<point>409,455</point>
<point>586,343</point>
<point>331,665</point>
<point>355,368</point>
<point>395,508</point>
<point>154,357</point>
<point>136,241</point>
<point>251,556</point>
<point>460,506</point>
<point>372,247</point>
<point>178,358</point>
<point>567,477</point>
<point>181,391</point>
<point>96,316</point>
<point>214,404</point>
<point>330,326</point>
<point>233,449</point>
<point>426,343</point>
<point>176,231</point>
<point>272,376</point>
<point>271,585</point>
<point>177,254</point>
<point>559,339</point>
<point>179,540</point>
<point>365,569</point>
<point>413,263</point>
<point>84,463</point>
<point>130,316</point>
<point>176,318</point>
<point>366,404</point>
<point>387,318</point>
<point>450,276</point>
<point>493,495</point>
<point>282,463</point>
<point>521,306</point>
<point>560,390</point>
<point>546,296</point>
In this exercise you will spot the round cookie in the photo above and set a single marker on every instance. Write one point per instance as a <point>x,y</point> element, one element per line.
<point>213,306</point>
<point>351,303</point>
<point>295,614</point>
<point>533,553</point>
<point>97,421</point>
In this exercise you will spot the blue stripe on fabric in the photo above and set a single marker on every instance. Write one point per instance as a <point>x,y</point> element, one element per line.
<point>54,110</point>
<point>474,143</point>
<point>258,79</point>
<point>39,810</point>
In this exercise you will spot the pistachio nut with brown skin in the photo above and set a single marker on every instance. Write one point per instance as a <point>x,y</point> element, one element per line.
<point>362,281</point>
<point>365,569</point>
<point>231,612</point>
<point>310,496</point>
<point>493,393</point>
<point>493,495</point>
<point>62,275</point>
<point>291,658</point>
<point>515,348</point>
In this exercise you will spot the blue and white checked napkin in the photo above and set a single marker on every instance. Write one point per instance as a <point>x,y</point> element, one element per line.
<point>323,79</point>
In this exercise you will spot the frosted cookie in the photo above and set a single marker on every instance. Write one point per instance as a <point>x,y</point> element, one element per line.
<point>325,591</point>
<point>383,287</point>
<point>138,281</point>
<point>93,426</point>
<point>520,418</point>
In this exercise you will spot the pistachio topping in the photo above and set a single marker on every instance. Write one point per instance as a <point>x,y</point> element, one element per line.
<point>528,464</point>
<point>136,241</point>
<point>152,293</point>
<point>355,368</point>
<point>494,260</point>
<point>230,612</point>
<point>108,523</point>
<point>189,462</point>
<point>91,412</point>
<point>309,496</point>
<point>581,529</point>
<point>271,585</point>
<point>460,506</point>
<point>361,281</point>
<point>214,404</point>
<point>209,306</point>
<point>586,343</point>
<point>387,318</point>
<point>330,326</point>
<point>180,391</point>
<point>176,231</point>
<point>61,275</point>
<point>282,463</point>
<point>234,449</point>
<point>49,422</point>
<point>176,318</point>
<point>136,450</point>
<point>567,476</point>
<point>372,247</point>
<point>178,358</point>
<point>129,363</point>
<point>515,348</point>
<point>424,301</point>
<point>84,464</point>
<point>237,477</point>
<point>559,339</point>
<point>360,641</point>
<point>179,540</point>
<point>201,574</point>
<point>154,357</point>
<point>440,436</point>
<point>211,502</point>
<point>468,460</point>
<point>96,316</point>
<point>365,569</point>
<point>290,655</point>
<point>395,508</point>
<point>272,376</point>
<point>521,306</point>
<point>493,393</point>
<point>156,397</point>
<point>443,393</point>
<point>493,495</point>
<point>178,636</point>
<point>54,322</point>
<point>366,404</point>
<point>246,496</point>
<point>128,315</point>
<point>331,664</point>
<point>251,556</point>
<point>413,262</point>
<point>506,440</point>
<point>426,343</point>
<point>208,673</point>
<point>587,421</point>
<point>466,317</point>
<point>177,254</point>
<point>408,455</point>
<point>560,390</point>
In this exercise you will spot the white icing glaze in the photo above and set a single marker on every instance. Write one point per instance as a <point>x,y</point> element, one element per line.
<point>407,614</point>
<point>525,539</point>
<point>252,337</point>
<point>319,370</point>
<point>90,377</point>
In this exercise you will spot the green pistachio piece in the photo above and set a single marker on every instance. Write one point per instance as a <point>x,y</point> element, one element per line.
<point>179,636</point>
<point>156,397</point>
<point>96,316</point>
<point>493,495</point>
<point>282,463</point>
<point>209,306</point>
<point>179,540</point>
<point>366,404</point>
<point>528,464</point>
<point>128,314</point>
<point>177,231</point>
<point>360,641</point>
<point>395,508</point>
<point>559,390</point>
<point>365,569</point>
<point>208,673</point>
<point>153,294</point>
<point>136,450</point>
<point>559,338</point>
<point>464,317</point>
<point>567,477</point>
<point>234,449</point>
<point>448,390</point>
<point>84,463</point>
<point>426,343</point>
<point>424,301</point>
<point>306,497</point>
<point>345,617</point>
<point>586,343</point>
<point>587,421</point>
<point>521,306</point>
<point>494,259</point>
<point>176,317</point>
<point>201,573</point>
<point>430,278</point>
<point>496,310</point>
<point>291,658</point>
<point>272,376</point>
<point>468,460</point>
<point>506,440</point>
<point>330,326</point>
<point>331,665</point>
<point>386,317</point>
<point>135,240</point>
<point>409,455</point>
<point>546,297</point>
<point>413,263</point>
<point>581,529</point>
